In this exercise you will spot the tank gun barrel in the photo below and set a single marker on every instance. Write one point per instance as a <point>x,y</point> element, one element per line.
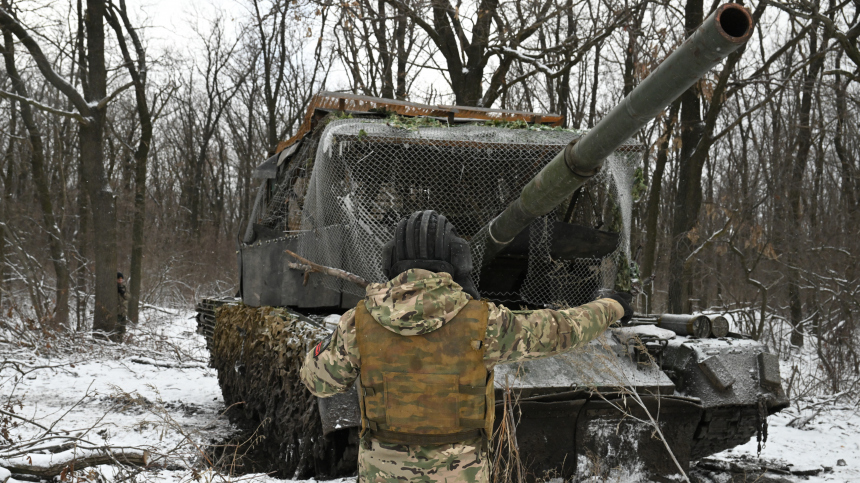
<point>729,27</point>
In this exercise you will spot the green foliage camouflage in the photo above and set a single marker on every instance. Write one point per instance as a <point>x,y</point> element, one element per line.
<point>640,187</point>
<point>625,275</point>
<point>520,124</point>
<point>413,123</point>
<point>258,353</point>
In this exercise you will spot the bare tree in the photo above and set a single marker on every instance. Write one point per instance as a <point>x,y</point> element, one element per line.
<point>697,138</point>
<point>8,175</point>
<point>37,164</point>
<point>117,17</point>
<point>90,107</point>
<point>652,212</point>
<point>505,32</point>
<point>380,47</point>
<point>288,81</point>
<point>849,171</point>
<point>221,78</point>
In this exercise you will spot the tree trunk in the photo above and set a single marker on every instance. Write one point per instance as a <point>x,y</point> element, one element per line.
<point>802,145</point>
<point>138,72</point>
<point>402,54</point>
<point>652,210</point>
<point>633,31</point>
<point>101,197</point>
<point>7,190</point>
<point>81,247</point>
<point>379,30</point>
<point>849,184</point>
<point>103,207</point>
<point>196,185</point>
<point>564,84</point>
<point>76,459</point>
<point>138,225</point>
<point>595,82</point>
<point>688,196</point>
<point>56,247</point>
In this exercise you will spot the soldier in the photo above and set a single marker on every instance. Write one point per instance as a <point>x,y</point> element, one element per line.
<point>423,347</point>
<point>122,300</point>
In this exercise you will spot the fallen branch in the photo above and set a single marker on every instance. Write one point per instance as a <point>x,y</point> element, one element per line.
<point>153,362</point>
<point>159,309</point>
<point>30,421</point>
<point>816,407</point>
<point>51,465</point>
<point>308,266</point>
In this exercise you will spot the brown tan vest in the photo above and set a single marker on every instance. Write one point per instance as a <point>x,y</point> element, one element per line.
<point>426,389</point>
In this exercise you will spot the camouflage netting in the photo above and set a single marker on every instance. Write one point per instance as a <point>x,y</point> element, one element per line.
<point>350,181</point>
<point>258,353</point>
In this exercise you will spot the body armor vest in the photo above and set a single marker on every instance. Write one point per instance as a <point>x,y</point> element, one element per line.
<point>426,389</point>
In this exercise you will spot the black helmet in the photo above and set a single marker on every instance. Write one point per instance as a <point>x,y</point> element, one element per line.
<point>119,275</point>
<point>427,240</point>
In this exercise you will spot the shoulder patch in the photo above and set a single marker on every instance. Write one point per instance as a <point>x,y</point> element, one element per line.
<point>323,345</point>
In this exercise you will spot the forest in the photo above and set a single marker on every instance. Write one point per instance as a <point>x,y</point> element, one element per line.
<point>123,151</point>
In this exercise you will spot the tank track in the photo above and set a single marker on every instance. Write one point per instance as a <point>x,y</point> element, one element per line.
<point>722,428</point>
<point>261,385</point>
<point>206,318</point>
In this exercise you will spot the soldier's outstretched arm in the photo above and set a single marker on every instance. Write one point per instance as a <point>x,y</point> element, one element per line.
<point>518,335</point>
<point>333,364</point>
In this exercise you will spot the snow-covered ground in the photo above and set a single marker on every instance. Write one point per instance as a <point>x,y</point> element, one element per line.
<point>157,394</point>
<point>830,442</point>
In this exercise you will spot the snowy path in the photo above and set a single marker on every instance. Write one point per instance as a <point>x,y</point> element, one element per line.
<point>158,394</point>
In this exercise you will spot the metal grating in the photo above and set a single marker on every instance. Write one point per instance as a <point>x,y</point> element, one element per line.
<point>348,185</point>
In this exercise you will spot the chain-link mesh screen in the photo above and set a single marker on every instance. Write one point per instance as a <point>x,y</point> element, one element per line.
<point>352,181</point>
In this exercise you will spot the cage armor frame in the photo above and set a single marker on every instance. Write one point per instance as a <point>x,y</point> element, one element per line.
<point>431,388</point>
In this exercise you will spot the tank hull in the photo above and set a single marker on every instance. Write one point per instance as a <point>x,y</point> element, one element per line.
<point>568,407</point>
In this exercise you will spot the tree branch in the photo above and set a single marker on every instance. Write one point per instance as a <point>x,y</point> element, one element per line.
<point>846,40</point>
<point>851,75</point>
<point>104,102</point>
<point>764,102</point>
<point>710,241</point>
<point>38,105</point>
<point>309,266</point>
<point>431,32</point>
<point>8,22</point>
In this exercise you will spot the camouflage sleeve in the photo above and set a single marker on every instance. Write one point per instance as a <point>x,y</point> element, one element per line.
<point>332,365</point>
<point>518,335</point>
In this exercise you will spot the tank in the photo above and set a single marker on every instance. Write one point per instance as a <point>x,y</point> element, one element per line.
<point>547,213</point>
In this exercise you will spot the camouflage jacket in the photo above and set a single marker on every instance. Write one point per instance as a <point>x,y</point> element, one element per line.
<point>122,300</point>
<point>416,302</point>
